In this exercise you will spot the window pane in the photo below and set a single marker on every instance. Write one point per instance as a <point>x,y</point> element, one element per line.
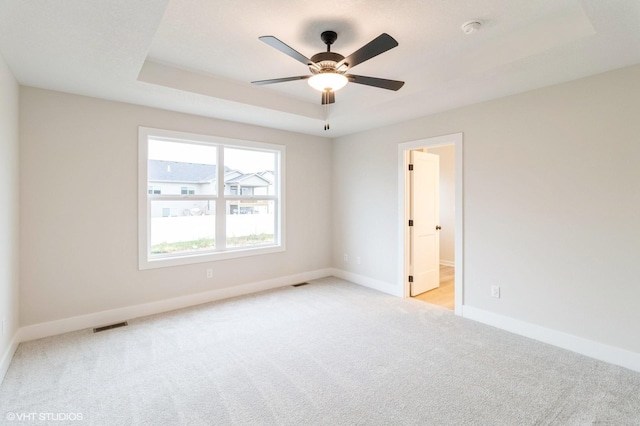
<point>250,223</point>
<point>182,227</point>
<point>249,172</point>
<point>178,168</point>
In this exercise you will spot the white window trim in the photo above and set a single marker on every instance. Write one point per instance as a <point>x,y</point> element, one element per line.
<point>144,223</point>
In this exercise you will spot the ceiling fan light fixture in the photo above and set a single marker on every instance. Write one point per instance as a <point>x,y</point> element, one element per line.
<point>325,81</point>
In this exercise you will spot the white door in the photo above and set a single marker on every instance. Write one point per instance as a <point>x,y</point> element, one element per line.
<point>424,258</point>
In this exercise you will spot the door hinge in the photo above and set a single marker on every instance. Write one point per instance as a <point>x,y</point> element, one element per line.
<point>410,222</point>
<point>410,278</point>
<point>410,166</point>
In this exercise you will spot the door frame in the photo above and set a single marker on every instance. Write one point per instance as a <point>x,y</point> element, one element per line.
<point>455,139</point>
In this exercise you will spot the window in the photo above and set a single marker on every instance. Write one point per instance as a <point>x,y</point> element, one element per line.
<point>204,198</point>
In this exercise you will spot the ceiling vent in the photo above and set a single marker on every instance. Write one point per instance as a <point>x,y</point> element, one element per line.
<point>110,326</point>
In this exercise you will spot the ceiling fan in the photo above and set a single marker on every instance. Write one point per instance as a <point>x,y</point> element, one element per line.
<point>329,69</point>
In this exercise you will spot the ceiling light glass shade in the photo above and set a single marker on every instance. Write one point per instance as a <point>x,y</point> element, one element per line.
<point>328,81</point>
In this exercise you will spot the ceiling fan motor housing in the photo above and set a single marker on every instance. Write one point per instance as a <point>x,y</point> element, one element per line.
<point>326,61</point>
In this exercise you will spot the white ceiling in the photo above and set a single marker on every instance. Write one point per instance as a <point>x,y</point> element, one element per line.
<point>199,56</point>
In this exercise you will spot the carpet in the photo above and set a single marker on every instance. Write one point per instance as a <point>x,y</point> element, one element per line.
<point>327,353</point>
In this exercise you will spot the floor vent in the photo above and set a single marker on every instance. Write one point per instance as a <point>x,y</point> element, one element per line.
<point>110,326</point>
<point>298,285</point>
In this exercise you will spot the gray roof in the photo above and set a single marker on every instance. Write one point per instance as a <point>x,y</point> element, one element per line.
<point>175,171</point>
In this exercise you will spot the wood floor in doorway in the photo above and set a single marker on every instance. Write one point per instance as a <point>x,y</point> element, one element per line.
<point>443,295</point>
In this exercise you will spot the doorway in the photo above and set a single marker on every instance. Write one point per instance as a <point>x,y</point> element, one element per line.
<point>444,295</point>
<point>451,259</point>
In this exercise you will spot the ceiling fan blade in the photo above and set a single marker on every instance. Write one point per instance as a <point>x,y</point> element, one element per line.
<point>280,80</point>
<point>274,42</point>
<point>375,82</point>
<point>378,45</point>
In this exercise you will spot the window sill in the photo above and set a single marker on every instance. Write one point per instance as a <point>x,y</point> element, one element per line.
<point>163,262</point>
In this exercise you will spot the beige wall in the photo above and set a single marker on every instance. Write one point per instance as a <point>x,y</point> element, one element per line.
<point>551,204</point>
<point>9,208</point>
<point>447,156</point>
<point>78,181</point>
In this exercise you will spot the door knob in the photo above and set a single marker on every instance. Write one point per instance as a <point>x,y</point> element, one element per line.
<point>438,227</point>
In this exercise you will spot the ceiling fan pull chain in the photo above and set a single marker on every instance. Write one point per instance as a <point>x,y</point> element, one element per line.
<point>326,116</point>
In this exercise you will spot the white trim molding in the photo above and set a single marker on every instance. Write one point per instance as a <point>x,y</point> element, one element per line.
<point>52,328</point>
<point>455,139</point>
<point>590,348</point>
<point>362,280</point>
<point>8,356</point>
<point>219,198</point>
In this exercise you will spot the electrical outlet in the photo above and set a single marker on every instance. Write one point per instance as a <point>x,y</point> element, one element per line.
<point>346,257</point>
<point>495,291</point>
<point>358,260</point>
<point>209,273</point>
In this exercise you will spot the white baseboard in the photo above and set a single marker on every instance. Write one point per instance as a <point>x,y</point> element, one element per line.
<point>37,331</point>
<point>382,286</point>
<point>447,263</point>
<point>590,348</point>
<point>5,361</point>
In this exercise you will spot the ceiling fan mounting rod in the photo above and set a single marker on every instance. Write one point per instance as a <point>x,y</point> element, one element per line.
<point>326,61</point>
<point>329,37</point>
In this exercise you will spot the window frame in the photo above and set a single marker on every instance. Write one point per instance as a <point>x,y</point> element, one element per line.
<point>146,260</point>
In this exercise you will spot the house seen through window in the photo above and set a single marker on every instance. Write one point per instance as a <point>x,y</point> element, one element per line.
<point>208,199</point>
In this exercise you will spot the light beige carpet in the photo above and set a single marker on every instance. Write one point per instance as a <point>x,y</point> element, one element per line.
<point>329,353</point>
